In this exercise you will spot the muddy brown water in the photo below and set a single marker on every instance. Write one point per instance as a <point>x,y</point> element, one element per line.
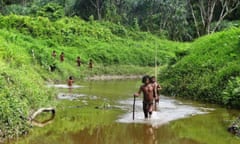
<point>174,122</point>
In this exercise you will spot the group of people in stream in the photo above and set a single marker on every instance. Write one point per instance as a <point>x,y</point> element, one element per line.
<point>151,94</point>
<point>150,88</point>
<point>78,62</point>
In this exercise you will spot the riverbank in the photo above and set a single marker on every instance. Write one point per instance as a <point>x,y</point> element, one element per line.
<point>113,77</point>
<point>85,119</point>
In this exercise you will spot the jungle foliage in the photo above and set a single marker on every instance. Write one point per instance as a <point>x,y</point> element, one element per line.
<point>209,71</point>
<point>104,42</point>
<point>110,33</point>
<point>22,89</point>
<point>26,44</point>
<point>182,20</point>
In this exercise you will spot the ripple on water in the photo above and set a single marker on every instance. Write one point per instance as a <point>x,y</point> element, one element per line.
<point>64,86</point>
<point>67,96</point>
<point>168,110</point>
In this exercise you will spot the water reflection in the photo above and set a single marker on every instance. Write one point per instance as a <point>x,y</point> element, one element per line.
<point>117,133</point>
<point>128,134</point>
<point>149,135</point>
<point>44,122</point>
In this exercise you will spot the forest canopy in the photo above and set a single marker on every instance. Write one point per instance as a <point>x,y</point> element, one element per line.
<point>181,20</point>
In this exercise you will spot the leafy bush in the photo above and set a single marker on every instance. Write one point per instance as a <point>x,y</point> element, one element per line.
<point>22,90</point>
<point>16,9</point>
<point>19,95</point>
<point>205,70</point>
<point>26,44</point>
<point>91,38</point>
<point>53,11</point>
<point>231,94</point>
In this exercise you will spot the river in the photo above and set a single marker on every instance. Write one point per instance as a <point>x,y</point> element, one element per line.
<point>100,112</point>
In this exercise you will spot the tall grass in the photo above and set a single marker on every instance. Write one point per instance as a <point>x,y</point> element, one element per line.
<point>26,44</point>
<point>206,69</point>
<point>104,42</point>
<point>206,72</point>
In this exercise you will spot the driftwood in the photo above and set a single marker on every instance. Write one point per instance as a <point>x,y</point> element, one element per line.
<point>34,122</point>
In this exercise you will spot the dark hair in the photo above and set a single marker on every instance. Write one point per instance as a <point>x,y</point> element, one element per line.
<point>144,79</point>
<point>151,78</point>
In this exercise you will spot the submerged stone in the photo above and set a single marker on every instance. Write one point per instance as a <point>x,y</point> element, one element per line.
<point>235,127</point>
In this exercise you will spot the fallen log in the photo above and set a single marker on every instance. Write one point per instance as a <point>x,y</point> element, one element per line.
<point>35,122</point>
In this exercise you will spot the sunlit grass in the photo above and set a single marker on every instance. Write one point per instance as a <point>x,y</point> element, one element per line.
<point>26,44</point>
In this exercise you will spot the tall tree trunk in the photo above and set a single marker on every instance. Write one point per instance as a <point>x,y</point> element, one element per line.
<point>227,8</point>
<point>194,18</point>
<point>209,16</point>
<point>207,9</point>
<point>98,6</point>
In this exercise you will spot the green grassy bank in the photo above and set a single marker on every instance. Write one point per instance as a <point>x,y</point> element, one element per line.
<point>206,69</point>
<point>26,44</point>
<point>209,71</point>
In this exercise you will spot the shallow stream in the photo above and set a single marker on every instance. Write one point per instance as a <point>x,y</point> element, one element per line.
<point>101,112</point>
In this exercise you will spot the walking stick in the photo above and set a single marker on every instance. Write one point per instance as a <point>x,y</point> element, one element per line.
<point>134,99</point>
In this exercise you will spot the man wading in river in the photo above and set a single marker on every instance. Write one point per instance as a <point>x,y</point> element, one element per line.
<point>70,84</point>
<point>156,92</point>
<point>148,96</point>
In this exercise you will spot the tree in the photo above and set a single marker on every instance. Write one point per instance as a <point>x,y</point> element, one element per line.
<point>1,5</point>
<point>204,13</point>
<point>87,8</point>
<point>165,18</point>
<point>98,5</point>
<point>110,11</point>
<point>116,10</point>
<point>228,6</point>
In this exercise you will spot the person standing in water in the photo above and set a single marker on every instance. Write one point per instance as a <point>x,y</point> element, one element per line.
<point>148,96</point>
<point>156,93</point>
<point>70,83</point>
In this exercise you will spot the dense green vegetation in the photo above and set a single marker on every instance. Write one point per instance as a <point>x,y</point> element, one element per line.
<point>182,20</point>
<point>26,44</point>
<point>206,69</point>
<point>209,71</point>
<point>105,42</point>
<point>22,89</point>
